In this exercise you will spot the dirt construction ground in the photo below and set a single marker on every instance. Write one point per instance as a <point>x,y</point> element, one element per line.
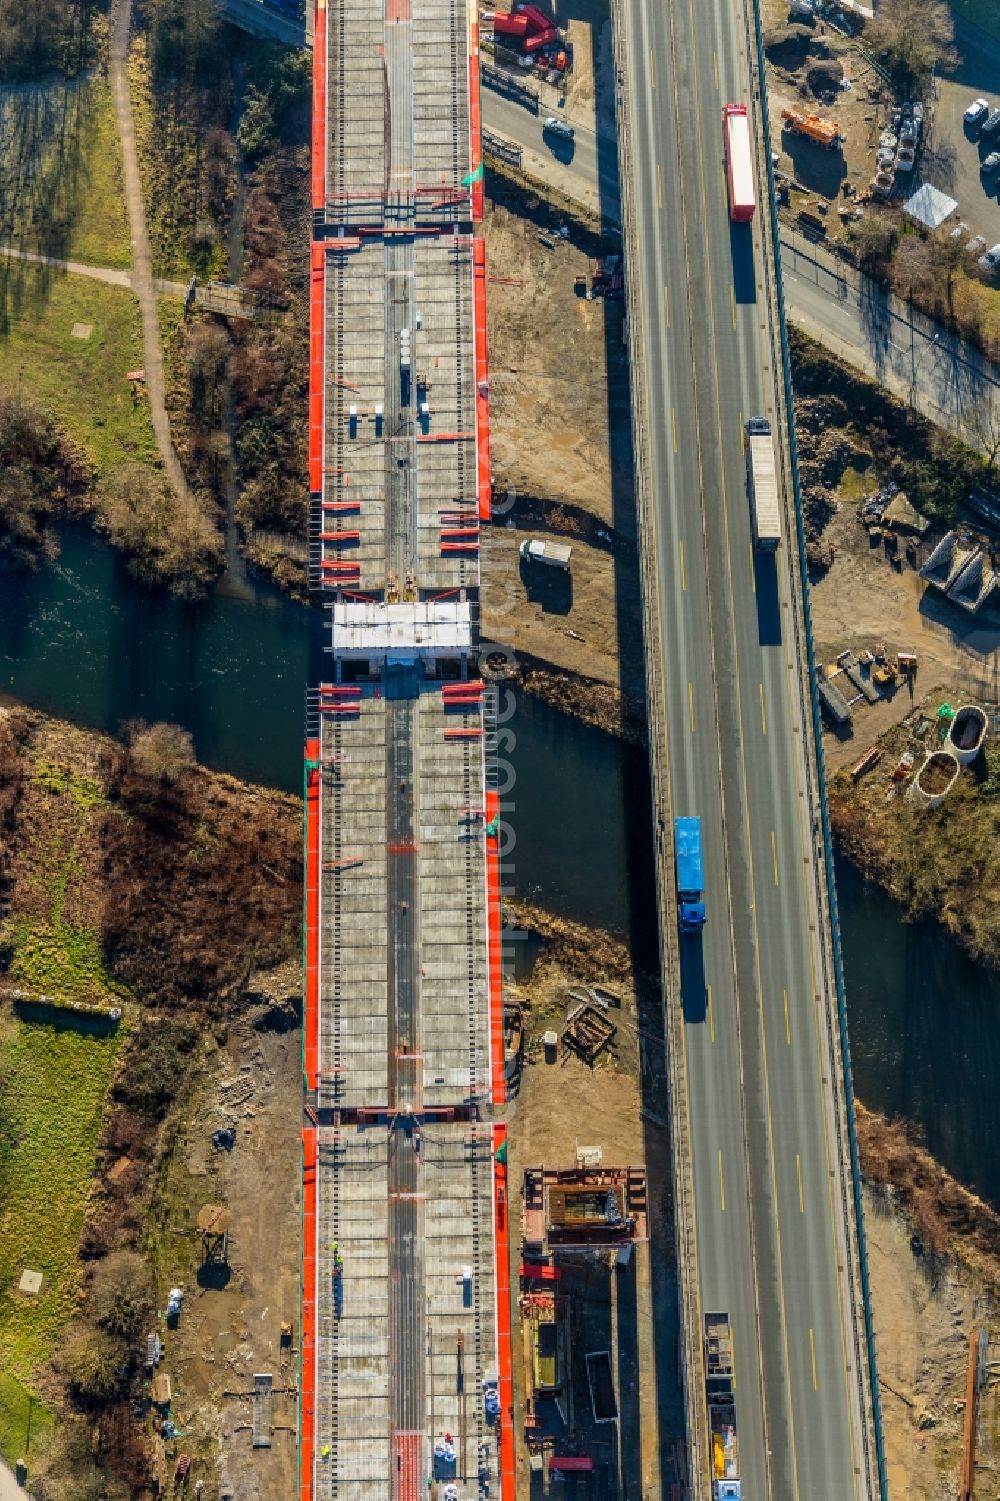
<point>629,1311</point>
<point>863,600</point>
<point>228,1330</point>
<point>923,1318</point>
<point>561,454</point>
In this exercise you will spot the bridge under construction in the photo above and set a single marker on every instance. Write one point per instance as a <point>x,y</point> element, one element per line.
<point>405,1377</point>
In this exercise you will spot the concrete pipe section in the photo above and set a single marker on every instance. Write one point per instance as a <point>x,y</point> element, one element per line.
<point>935,779</point>
<point>966,734</point>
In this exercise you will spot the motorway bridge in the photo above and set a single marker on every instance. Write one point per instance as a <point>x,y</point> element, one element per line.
<point>766,1194</point>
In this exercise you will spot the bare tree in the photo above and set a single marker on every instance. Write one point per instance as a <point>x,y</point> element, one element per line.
<point>162,751</point>
<point>913,268</point>
<point>874,238</point>
<point>913,38</point>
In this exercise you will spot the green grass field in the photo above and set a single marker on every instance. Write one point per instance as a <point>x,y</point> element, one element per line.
<point>63,183</point>
<point>55,1084</point>
<point>982,13</point>
<point>81,380</point>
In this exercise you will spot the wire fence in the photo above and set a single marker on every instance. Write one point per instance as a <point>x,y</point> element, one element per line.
<point>820,791</point>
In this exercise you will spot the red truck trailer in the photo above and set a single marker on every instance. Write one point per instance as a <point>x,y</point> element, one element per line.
<point>739,163</point>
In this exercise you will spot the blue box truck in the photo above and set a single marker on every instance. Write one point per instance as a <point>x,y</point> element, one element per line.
<point>690,882</point>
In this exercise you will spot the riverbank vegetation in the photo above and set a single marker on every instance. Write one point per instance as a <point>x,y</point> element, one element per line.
<point>941,863</point>
<point>122,863</point>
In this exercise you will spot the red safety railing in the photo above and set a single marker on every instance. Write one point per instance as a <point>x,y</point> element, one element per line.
<point>319,106</point>
<point>307,1347</point>
<point>484,480</point>
<point>494,942</point>
<point>501,1209</point>
<point>475,127</point>
<point>317,357</point>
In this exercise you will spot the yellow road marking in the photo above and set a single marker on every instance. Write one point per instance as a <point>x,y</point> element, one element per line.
<point>715,68</point>
<point>711,1016</point>
<point>691,707</point>
<point>763,715</point>
<point>812,1352</point>
<point>753,569</point>
<point>659,189</point>
<point>774,857</point>
<point>732,303</point>
<point>684,582</point>
<point>722,1187</point>
<point>673,424</point>
<point>788,1025</point>
<point>798,1174</point>
<point>743,433</point>
<point>666,306</point>
<point>652,69</point>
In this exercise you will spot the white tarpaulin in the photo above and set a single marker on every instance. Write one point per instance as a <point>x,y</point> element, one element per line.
<point>929,206</point>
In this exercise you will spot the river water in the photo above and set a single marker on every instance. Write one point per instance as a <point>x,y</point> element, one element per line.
<point>80,639</point>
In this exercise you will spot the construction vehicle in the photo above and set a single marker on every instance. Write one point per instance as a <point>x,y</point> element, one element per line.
<point>762,485</point>
<point>690,880</point>
<point>825,133</point>
<point>739,163</point>
<point>555,554</point>
<point>720,1392</point>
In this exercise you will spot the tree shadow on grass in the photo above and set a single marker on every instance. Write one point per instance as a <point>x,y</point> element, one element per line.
<point>45,132</point>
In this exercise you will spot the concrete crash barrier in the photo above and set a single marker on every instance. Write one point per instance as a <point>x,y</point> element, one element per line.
<point>935,779</point>
<point>966,734</point>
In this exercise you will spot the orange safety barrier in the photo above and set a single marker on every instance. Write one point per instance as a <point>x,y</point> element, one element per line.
<point>484,480</point>
<point>340,539</point>
<point>409,1478</point>
<point>317,356</point>
<point>307,1352</point>
<point>459,546</point>
<point>451,532</point>
<point>319,107</point>
<point>501,1208</point>
<point>312,841</point>
<point>476,127</point>
<point>467,732</point>
<point>351,690</point>
<point>445,437</point>
<point>495,955</point>
<point>340,507</point>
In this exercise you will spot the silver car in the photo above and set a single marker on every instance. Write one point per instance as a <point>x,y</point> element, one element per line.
<point>976,111</point>
<point>554,126</point>
<point>991,260</point>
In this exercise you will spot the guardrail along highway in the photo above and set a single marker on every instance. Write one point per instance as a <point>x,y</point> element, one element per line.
<point>767,1194</point>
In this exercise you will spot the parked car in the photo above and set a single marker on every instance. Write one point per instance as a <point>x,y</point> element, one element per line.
<point>992,125</point>
<point>991,260</point>
<point>977,110</point>
<point>990,164</point>
<point>558,127</point>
